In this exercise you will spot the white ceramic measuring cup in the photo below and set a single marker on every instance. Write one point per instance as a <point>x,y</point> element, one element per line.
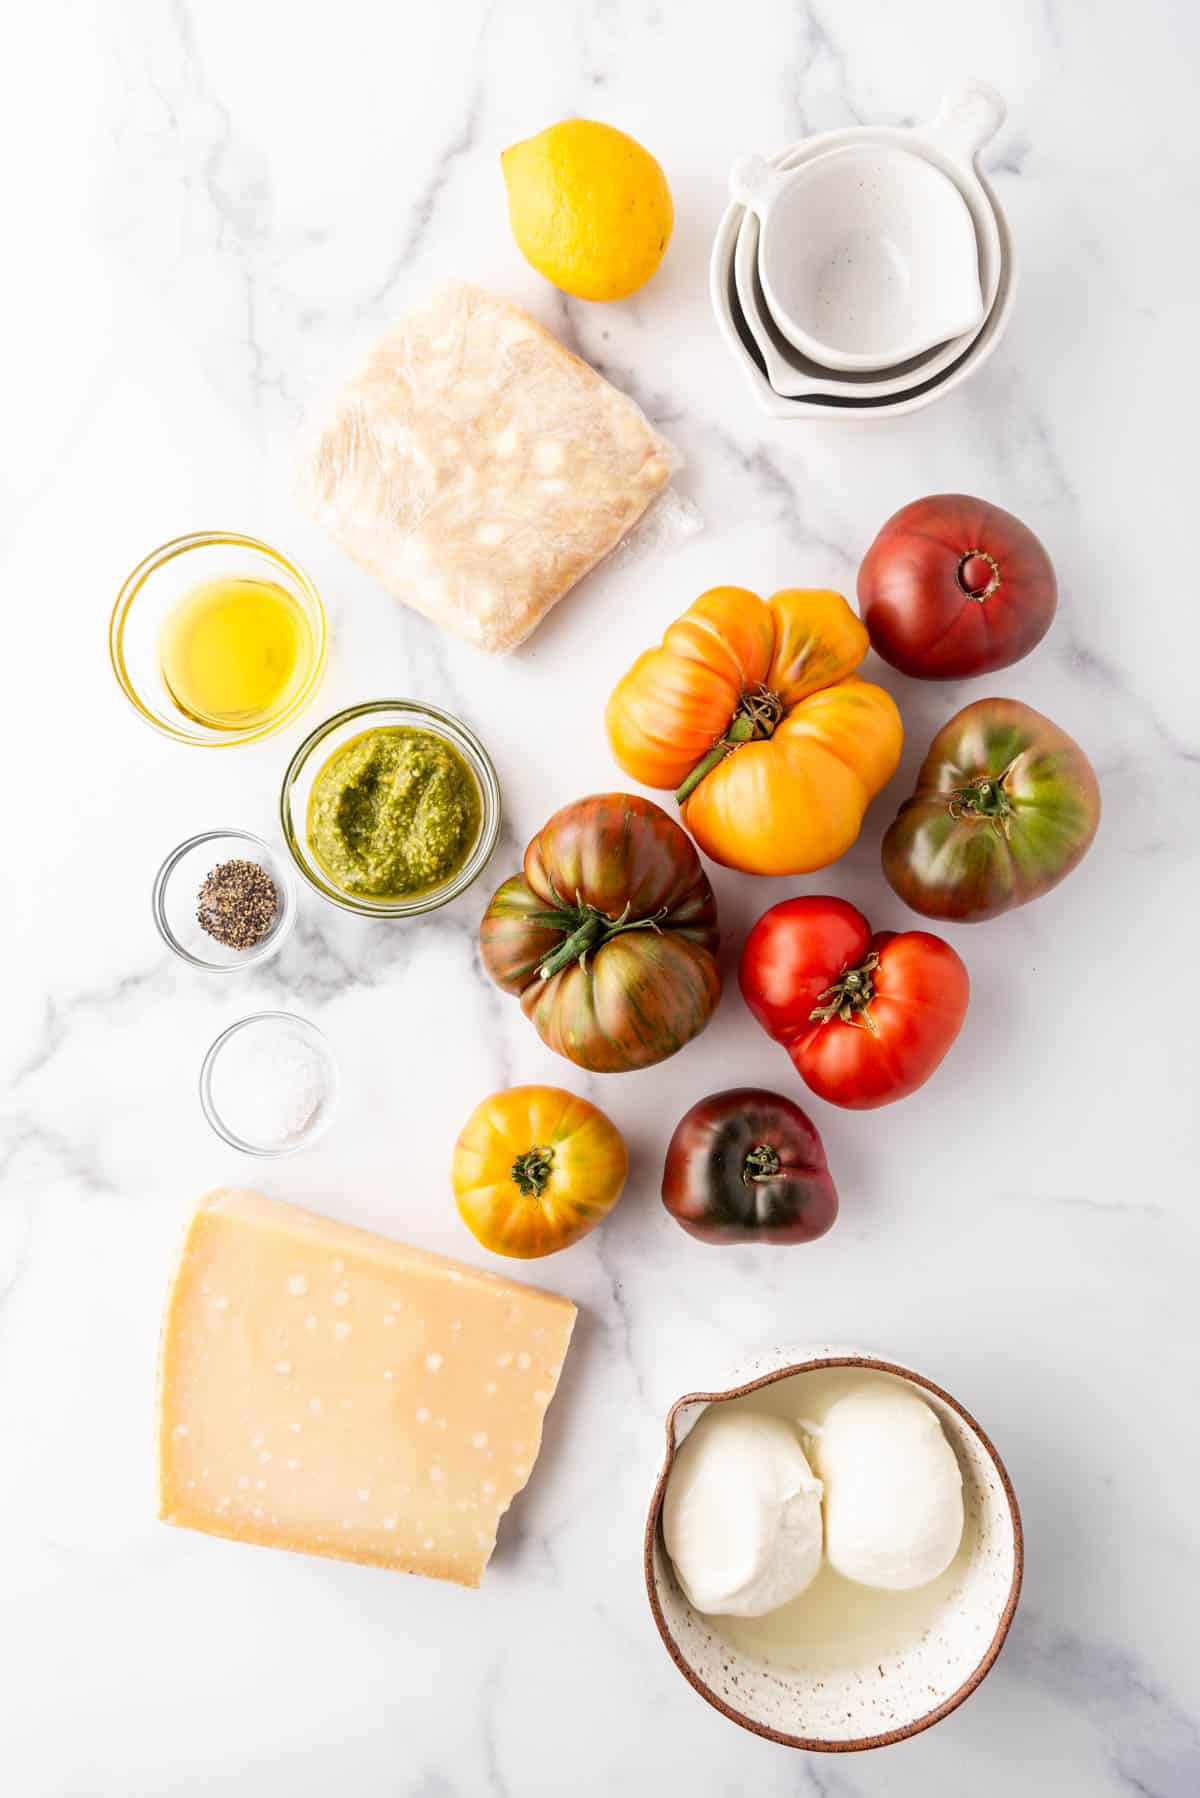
<point>969,116</point>
<point>795,375</point>
<point>788,384</point>
<point>845,406</point>
<point>867,255</point>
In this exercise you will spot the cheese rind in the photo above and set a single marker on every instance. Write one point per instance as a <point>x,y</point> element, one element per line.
<point>331,1391</point>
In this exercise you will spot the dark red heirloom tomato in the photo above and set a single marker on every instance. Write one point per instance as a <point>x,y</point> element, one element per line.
<point>866,1018</point>
<point>953,586</point>
<point>748,1166</point>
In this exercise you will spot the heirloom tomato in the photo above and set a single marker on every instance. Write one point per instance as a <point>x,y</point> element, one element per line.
<point>1006,805</point>
<point>866,1017</point>
<point>609,936</point>
<point>748,1166</point>
<point>536,1168</point>
<point>752,712</point>
<point>953,586</point>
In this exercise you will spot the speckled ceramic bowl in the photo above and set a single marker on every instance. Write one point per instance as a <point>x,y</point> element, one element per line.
<point>839,1708</point>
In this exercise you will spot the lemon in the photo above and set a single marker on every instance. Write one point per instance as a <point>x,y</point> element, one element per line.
<point>589,208</point>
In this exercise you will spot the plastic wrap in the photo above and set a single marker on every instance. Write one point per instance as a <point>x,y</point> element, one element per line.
<point>478,469</point>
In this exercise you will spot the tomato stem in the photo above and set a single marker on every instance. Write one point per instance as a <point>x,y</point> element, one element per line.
<point>762,1163</point>
<point>849,998</point>
<point>574,947</point>
<point>985,796</point>
<point>592,931</point>
<point>531,1172</point>
<point>759,711</point>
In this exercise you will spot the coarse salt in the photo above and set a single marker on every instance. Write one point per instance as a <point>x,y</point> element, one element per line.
<point>269,1086</point>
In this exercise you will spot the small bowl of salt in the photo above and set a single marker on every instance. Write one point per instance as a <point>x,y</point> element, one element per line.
<point>269,1084</point>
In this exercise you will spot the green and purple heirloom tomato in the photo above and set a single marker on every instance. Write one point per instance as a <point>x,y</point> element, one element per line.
<point>1006,804</point>
<point>609,935</point>
<point>748,1166</point>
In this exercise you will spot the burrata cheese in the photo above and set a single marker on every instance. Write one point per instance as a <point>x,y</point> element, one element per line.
<point>742,1514</point>
<point>893,1489</point>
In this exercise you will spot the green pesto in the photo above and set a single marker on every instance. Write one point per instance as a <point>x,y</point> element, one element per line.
<point>393,813</point>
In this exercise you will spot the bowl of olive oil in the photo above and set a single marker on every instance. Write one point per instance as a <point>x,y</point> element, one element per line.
<point>218,639</point>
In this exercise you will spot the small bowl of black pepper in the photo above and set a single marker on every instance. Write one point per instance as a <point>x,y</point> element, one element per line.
<point>224,899</point>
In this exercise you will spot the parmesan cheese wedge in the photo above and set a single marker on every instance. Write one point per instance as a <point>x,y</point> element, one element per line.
<point>331,1391</point>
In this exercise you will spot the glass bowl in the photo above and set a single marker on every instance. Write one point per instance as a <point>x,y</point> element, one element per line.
<point>311,757</point>
<point>151,593</point>
<point>177,889</point>
<point>274,1030</point>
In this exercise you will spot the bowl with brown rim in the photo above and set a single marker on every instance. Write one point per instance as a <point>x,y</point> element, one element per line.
<point>856,1700</point>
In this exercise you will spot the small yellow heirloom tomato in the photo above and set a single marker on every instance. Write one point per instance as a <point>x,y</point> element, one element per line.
<point>535,1168</point>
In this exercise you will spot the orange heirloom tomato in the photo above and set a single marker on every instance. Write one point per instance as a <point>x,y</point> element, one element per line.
<point>536,1168</point>
<point>751,710</point>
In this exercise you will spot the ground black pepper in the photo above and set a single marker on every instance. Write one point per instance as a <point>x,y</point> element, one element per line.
<point>238,904</point>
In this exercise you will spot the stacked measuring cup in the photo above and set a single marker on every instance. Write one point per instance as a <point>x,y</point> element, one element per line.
<point>862,273</point>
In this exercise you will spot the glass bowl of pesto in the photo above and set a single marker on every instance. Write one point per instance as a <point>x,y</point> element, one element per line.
<point>217,639</point>
<point>391,808</point>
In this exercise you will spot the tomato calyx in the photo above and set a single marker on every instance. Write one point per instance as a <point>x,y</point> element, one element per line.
<point>586,929</point>
<point>531,1172</point>
<point>985,797</point>
<point>761,1163</point>
<point>978,574</point>
<point>759,711</point>
<point>849,998</point>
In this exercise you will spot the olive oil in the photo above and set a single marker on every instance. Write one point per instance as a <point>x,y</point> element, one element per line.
<point>234,652</point>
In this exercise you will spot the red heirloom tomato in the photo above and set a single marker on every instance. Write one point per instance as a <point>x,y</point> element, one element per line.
<point>953,586</point>
<point>748,1166</point>
<point>609,935</point>
<point>866,1018</point>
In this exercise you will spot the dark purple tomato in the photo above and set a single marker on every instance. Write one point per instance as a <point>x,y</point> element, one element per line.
<point>748,1166</point>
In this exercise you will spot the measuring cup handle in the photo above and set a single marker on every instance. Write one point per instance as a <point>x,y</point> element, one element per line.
<point>753,182</point>
<point>970,114</point>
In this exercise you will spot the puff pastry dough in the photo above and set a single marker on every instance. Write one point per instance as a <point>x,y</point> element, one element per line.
<point>478,469</point>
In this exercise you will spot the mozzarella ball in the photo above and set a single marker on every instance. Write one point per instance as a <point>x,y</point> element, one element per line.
<point>893,1489</point>
<point>742,1514</point>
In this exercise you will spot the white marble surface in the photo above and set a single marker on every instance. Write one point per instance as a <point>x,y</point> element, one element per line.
<point>209,208</point>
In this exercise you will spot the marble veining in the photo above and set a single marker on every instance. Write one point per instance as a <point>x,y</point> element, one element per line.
<point>212,209</point>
